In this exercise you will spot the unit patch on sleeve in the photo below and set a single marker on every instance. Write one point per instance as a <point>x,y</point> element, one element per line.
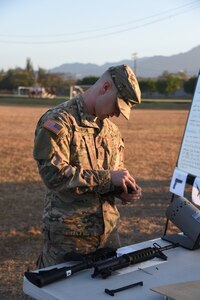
<point>53,126</point>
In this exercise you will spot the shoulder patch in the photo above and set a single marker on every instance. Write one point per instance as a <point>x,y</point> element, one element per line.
<point>53,126</point>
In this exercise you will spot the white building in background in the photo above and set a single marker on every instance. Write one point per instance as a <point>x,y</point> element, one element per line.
<point>34,92</point>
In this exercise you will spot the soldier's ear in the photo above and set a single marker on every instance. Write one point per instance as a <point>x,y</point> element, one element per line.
<point>105,87</point>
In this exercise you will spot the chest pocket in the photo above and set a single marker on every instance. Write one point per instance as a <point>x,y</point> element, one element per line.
<point>83,151</point>
<point>114,150</point>
<point>100,152</point>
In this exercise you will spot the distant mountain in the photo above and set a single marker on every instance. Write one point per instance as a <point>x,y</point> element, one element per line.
<point>154,66</point>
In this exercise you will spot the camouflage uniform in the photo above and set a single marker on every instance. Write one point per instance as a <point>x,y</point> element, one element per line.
<point>75,154</point>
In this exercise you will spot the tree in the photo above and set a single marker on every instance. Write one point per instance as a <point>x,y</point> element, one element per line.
<point>168,83</point>
<point>189,85</point>
<point>89,80</point>
<point>29,66</point>
<point>41,77</point>
<point>1,75</point>
<point>161,86</point>
<point>15,78</point>
<point>147,85</point>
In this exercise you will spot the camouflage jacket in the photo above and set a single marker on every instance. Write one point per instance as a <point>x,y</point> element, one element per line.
<point>74,156</point>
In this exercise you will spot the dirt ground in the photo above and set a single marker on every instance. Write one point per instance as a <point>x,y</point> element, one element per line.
<point>152,140</point>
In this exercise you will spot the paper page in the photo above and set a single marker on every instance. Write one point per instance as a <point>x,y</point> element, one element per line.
<point>189,157</point>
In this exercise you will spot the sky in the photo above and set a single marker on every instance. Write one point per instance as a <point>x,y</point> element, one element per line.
<point>55,32</point>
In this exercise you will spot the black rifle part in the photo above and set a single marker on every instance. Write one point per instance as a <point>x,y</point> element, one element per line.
<point>45,277</point>
<point>123,288</point>
<point>105,269</point>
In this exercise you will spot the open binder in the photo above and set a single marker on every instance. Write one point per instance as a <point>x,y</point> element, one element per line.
<point>184,213</point>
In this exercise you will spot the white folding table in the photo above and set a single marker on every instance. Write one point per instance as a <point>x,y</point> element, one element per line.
<point>182,265</point>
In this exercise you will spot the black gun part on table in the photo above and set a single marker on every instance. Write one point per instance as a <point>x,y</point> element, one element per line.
<point>86,261</point>
<point>104,261</point>
<point>105,269</point>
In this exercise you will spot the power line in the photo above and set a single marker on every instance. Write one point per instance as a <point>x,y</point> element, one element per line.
<point>110,33</point>
<point>102,28</point>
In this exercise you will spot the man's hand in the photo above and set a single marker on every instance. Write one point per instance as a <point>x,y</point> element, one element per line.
<point>123,179</point>
<point>131,197</point>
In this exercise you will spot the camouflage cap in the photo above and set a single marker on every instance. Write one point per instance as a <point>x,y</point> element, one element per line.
<point>128,88</point>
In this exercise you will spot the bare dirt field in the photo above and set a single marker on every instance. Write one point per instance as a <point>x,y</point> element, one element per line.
<point>152,140</point>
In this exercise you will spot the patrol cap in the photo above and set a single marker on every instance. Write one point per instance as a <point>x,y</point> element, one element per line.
<point>128,88</point>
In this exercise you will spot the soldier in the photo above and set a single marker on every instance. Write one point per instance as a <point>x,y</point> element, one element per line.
<point>80,157</point>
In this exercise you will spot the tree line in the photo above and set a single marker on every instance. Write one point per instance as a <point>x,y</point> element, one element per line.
<point>168,84</point>
<point>27,77</point>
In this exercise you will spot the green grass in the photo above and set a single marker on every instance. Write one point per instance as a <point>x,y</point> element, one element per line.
<point>164,104</point>
<point>16,100</point>
<point>146,103</point>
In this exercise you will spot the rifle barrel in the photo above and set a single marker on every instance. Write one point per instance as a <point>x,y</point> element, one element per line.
<point>106,268</point>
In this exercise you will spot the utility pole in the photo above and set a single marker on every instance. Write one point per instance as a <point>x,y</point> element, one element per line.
<point>134,57</point>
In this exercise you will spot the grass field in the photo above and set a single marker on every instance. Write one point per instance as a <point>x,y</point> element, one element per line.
<point>152,139</point>
<point>146,103</point>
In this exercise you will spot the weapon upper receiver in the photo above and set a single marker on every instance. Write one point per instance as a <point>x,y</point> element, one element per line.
<point>106,268</point>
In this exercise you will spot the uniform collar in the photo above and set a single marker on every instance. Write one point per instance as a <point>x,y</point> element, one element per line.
<point>87,120</point>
